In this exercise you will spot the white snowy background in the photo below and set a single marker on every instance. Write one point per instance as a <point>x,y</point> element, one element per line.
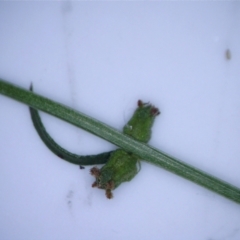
<point>100,58</point>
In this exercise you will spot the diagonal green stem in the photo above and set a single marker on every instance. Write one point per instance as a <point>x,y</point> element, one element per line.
<point>110,134</point>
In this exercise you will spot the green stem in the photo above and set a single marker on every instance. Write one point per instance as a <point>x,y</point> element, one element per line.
<point>110,134</point>
<point>61,152</point>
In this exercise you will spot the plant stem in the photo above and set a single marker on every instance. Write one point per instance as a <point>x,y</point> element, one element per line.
<point>112,135</point>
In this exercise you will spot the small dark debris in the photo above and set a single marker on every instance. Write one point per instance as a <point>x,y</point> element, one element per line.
<point>228,54</point>
<point>81,167</point>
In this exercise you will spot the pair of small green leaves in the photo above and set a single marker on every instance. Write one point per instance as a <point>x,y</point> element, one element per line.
<point>120,166</point>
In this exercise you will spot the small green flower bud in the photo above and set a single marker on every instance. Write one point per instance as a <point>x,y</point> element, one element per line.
<point>139,126</point>
<point>122,166</point>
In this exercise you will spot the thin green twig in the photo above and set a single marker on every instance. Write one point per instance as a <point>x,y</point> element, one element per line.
<point>114,136</point>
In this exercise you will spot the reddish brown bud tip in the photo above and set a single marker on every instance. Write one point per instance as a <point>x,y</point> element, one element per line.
<point>94,184</point>
<point>95,171</point>
<point>140,103</point>
<point>109,194</point>
<point>155,111</point>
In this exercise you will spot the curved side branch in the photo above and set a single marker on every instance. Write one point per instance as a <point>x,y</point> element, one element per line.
<point>61,152</point>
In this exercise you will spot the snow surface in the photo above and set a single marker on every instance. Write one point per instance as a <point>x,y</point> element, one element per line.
<point>100,58</point>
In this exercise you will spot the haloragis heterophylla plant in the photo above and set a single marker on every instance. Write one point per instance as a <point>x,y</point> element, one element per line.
<point>120,165</point>
<point>144,151</point>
